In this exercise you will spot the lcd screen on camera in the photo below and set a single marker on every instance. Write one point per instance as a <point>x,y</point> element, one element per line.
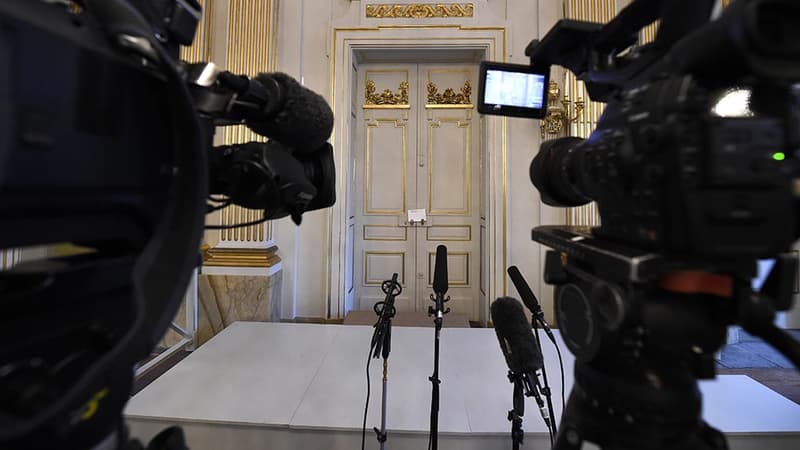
<point>512,90</point>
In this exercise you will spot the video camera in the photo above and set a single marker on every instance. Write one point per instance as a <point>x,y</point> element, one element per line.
<point>694,168</point>
<point>106,141</point>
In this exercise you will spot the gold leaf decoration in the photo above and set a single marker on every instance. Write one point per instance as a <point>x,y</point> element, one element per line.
<point>449,97</point>
<point>387,97</point>
<point>420,10</point>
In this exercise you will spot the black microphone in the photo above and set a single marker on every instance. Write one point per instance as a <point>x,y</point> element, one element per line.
<point>514,334</point>
<point>440,271</point>
<point>523,357</point>
<point>529,299</point>
<point>275,105</point>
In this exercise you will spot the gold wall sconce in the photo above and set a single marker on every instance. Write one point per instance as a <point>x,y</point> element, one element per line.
<point>561,111</point>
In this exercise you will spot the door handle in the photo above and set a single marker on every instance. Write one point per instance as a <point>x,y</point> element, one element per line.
<point>414,224</point>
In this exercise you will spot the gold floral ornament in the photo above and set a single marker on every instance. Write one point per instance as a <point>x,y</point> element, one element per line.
<point>449,97</point>
<point>387,97</point>
<point>420,11</point>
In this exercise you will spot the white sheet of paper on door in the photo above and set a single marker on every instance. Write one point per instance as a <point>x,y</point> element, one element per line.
<point>416,215</point>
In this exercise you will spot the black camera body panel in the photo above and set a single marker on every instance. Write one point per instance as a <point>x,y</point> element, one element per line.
<point>670,177</point>
<point>113,176</point>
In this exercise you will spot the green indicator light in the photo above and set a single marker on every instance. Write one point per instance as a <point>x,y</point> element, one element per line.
<point>779,156</point>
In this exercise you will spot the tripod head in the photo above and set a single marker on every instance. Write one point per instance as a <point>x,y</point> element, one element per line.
<point>644,328</point>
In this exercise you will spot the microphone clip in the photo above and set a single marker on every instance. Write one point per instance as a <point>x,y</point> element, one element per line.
<point>380,435</point>
<point>439,308</point>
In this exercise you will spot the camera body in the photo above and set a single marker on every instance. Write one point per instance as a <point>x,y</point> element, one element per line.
<point>694,154</point>
<point>671,175</point>
<point>694,168</point>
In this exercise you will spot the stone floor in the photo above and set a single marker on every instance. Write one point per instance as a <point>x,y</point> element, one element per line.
<point>753,357</point>
<point>751,352</point>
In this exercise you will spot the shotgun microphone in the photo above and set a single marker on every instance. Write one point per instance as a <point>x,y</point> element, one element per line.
<point>529,299</point>
<point>440,271</point>
<point>277,106</point>
<point>522,354</point>
<point>514,334</point>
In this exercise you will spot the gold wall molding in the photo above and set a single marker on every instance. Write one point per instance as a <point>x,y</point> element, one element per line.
<point>449,97</point>
<point>420,10</point>
<point>251,36</point>
<point>387,97</point>
<point>240,257</point>
<point>599,11</point>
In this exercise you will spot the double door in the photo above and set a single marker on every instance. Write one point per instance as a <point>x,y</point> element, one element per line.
<point>417,183</point>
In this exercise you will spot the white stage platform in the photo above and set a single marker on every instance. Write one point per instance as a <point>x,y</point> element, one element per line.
<point>298,386</point>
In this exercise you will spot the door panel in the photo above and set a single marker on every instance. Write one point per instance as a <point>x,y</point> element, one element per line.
<point>418,154</point>
<point>385,185</point>
<point>451,183</point>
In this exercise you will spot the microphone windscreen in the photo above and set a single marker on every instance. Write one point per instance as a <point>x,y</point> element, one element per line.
<point>303,120</point>
<point>525,292</point>
<point>440,271</point>
<point>515,336</point>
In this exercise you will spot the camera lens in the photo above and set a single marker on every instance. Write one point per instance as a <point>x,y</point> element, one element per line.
<point>552,173</point>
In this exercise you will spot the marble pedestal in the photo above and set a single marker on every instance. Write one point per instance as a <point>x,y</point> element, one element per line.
<point>227,298</point>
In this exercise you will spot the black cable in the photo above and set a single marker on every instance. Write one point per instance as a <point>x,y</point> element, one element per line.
<point>211,208</point>
<point>366,405</point>
<point>544,372</point>
<point>236,225</point>
<point>561,364</point>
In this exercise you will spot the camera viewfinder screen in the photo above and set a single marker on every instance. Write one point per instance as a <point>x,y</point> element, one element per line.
<point>513,90</point>
<point>522,90</point>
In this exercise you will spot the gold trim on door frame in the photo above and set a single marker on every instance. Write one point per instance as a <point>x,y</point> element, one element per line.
<point>374,124</point>
<point>428,233</point>
<point>468,160</point>
<point>365,238</point>
<point>500,53</point>
<point>454,106</point>
<point>386,252</point>
<point>449,253</point>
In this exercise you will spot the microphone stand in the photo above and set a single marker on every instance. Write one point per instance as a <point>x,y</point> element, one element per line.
<point>438,312</point>
<point>546,388</point>
<point>525,385</point>
<point>518,411</point>
<point>382,341</point>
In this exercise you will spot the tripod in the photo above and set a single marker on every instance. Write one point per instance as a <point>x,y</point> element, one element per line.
<point>652,333</point>
<point>382,342</point>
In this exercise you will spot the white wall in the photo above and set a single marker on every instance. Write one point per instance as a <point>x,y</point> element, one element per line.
<point>304,46</point>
